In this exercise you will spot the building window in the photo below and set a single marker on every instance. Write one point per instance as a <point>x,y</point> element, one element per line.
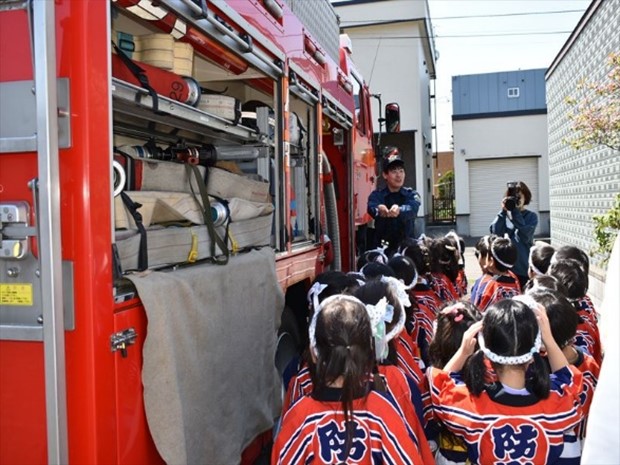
<point>513,92</point>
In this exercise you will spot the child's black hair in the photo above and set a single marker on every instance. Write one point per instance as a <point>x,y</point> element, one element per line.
<point>544,282</point>
<point>509,329</point>
<point>419,252</point>
<point>343,349</point>
<point>452,322</point>
<point>563,318</point>
<point>404,269</point>
<point>376,270</point>
<point>371,256</point>
<point>573,253</point>
<point>502,249</point>
<point>444,257</point>
<point>540,257</point>
<point>483,246</point>
<point>570,273</point>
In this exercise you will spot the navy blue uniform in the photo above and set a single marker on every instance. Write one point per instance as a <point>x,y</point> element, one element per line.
<point>393,230</point>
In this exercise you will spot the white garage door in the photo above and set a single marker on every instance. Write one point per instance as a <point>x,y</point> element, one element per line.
<point>487,185</point>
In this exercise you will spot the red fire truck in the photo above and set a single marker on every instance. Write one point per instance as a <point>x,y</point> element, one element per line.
<point>76,84</point>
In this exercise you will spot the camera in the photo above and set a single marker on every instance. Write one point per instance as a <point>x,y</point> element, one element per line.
<point>512,199</point>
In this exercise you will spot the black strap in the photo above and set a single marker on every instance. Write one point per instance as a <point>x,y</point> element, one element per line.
<point>140,75</point>
<point>206,213</point>
<point>143,257</point>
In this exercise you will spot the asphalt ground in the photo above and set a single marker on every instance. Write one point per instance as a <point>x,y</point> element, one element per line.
<point>472,269</point>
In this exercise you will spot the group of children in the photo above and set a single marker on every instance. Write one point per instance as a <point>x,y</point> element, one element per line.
<point>402,366</point>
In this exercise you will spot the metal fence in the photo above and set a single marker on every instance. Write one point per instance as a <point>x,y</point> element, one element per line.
<point>444,210</point>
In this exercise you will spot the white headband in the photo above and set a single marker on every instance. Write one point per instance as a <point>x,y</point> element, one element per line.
<point>531,264</point>
<point>400,289</point>
<point>498,260</point>
<point>514,359</point>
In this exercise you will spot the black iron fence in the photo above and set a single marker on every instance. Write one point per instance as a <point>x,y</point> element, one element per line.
<point>444,210</point>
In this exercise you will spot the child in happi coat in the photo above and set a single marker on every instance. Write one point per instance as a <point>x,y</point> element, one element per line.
<point>298,375</point>
<point>461,278</point>
<point>563,321</point>
<point>444,268</point>
<point>452,322</point>
<point>424,301</point>
<point>585,306</point>
<point>503,283</point>
<point>482,251</point>
<point>575,281</point>
<point>523,416</point>
<point>344,420</point>
<point>403,377</point>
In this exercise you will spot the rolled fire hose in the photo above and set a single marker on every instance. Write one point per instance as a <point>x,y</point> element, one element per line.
<point>331,210</point>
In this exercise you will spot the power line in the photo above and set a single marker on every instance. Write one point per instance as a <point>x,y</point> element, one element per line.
<point>466,36</point>
<point>498,15</point>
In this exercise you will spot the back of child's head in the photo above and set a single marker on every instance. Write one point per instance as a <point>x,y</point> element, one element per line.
<point>418,252</point>
<point>374,270</point>
<point>326,284</point>
<point>340,339</point>
<point>452,322</point>
<point>404,269</point>
<point>573,253</point>
<point>372,256</point>
<point>483,246</point>
<point>540,257</point>
<point>570,273</point>
<point>386,312</point>
<point>504,254</point>
<point>444,257</point>
<point>544,282</point>
<point>562,315</point>
<point>459,243</point>
<point>510,337</point>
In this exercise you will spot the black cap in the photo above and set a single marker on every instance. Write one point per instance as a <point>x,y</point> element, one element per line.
<point>391,156</point>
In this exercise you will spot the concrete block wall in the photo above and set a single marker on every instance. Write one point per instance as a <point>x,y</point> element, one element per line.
<point>582,183</point>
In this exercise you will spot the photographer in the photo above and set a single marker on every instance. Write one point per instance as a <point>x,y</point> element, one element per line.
<point>518,223</point>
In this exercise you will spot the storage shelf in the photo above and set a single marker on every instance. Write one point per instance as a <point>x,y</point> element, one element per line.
<point>135,101</point>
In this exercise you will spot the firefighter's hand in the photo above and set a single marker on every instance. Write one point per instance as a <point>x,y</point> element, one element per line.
<point>394,211</point>
<point>383,211</point>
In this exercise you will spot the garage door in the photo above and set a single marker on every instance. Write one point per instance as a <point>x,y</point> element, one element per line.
<point>487,184</point>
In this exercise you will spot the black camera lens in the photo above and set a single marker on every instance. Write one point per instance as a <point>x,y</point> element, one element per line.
<point>510,203</point>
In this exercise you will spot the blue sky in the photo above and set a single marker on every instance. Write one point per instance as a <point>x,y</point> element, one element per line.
<point>481,36</point>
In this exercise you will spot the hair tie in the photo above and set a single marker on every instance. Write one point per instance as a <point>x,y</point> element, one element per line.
<point>454,310</point>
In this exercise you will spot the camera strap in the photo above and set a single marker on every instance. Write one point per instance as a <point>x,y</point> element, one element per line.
<point>206,213</point>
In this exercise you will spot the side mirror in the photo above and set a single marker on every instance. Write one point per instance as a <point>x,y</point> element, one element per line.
<point>392,117</point>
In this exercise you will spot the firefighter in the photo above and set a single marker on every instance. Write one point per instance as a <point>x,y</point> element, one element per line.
<point>394,207</point>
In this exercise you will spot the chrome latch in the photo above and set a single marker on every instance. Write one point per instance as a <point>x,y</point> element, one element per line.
<point>14,230</point>
<point>122,339</point>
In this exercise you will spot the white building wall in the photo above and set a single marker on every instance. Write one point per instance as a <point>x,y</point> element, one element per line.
<point>507,137</point>
<point>392,59</point>
<point>582,183</point>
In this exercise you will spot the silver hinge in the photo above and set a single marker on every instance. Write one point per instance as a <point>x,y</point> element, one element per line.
<point>122,339</point>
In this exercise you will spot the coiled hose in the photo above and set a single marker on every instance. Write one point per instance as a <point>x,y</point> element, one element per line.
<point>331,210</point>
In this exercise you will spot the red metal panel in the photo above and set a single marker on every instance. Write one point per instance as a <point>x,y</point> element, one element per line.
<point>135,445</point>
<point>22,403</point>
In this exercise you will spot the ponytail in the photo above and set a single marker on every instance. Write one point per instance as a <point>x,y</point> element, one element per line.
<point>539,383</point>
<point>474,373</point>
